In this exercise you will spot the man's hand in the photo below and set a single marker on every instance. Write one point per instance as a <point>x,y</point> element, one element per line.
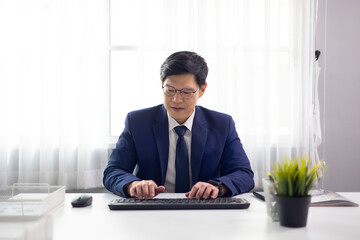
<point>203,190</point>
<point>145,189</point>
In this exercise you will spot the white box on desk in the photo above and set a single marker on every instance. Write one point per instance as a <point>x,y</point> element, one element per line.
<point>26,201</point>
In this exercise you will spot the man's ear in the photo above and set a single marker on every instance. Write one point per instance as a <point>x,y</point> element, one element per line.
<point>202,90</point>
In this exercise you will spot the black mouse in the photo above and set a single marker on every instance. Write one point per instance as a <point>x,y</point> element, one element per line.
<point>82,201</point>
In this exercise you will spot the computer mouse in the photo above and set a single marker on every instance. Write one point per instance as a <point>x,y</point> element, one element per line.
<point>82,201</point>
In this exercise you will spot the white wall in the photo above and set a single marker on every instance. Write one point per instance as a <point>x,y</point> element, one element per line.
<point>338,39</point>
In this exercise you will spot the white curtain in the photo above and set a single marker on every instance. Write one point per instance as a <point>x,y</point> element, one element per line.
<point>53,92</point>
<point>54,77</point>
<point>261,59</point>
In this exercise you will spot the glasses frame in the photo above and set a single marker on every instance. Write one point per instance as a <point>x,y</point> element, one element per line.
<point>181,91</point>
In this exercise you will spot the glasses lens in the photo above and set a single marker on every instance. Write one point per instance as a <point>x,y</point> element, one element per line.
<point>187,93</point>
<point>170,91</point>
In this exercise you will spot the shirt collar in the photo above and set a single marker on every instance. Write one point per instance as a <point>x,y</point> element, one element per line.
<point>188,123</point>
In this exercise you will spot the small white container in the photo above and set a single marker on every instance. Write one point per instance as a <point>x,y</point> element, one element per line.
<point>271,205</point>
<point>26,201</point>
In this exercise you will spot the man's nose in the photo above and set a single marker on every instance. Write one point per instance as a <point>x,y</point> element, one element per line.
<point>177,97</point>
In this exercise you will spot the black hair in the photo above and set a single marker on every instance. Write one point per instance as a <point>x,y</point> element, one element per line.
<point>185,62</point>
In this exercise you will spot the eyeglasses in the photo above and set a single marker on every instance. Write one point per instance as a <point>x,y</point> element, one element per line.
<point>185,92</point>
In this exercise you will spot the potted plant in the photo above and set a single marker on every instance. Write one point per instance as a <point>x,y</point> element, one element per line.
<point>292,180</point>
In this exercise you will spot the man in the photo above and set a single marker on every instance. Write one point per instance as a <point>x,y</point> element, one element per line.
<point>178,146</point>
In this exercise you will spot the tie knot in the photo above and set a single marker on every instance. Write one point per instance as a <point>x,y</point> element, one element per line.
<point>180,130</point>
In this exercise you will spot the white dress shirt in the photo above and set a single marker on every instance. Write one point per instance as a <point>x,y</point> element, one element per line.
<point>173,137</point>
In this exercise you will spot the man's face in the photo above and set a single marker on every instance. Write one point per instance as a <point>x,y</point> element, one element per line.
<point>178,107</point>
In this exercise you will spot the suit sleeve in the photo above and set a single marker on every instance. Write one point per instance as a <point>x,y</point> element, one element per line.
<point>122,162</point>
<point>235,170</point>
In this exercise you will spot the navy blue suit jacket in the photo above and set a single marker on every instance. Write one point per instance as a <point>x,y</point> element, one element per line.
<point>216,151</point>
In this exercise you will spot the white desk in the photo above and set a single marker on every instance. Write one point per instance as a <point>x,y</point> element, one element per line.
<point>98,222</point>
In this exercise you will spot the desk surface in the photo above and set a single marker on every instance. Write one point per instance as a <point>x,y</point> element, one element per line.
<point>98,222</point>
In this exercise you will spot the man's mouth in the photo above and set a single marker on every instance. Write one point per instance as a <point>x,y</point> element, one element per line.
<point>177,108</point>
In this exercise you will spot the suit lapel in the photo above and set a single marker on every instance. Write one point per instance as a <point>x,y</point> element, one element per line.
<point>161,132</point>
<point>198,142</point>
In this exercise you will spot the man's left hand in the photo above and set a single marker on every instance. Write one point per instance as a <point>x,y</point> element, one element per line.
<point>203,190</point>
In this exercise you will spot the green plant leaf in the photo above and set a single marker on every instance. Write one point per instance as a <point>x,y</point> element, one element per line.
<point>295,177</point>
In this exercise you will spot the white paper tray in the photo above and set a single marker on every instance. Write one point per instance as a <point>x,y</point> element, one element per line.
<point>25,201</point>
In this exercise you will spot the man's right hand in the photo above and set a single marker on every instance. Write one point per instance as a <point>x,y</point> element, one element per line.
<point>145,189</point>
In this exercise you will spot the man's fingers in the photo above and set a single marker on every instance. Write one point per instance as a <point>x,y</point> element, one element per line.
<point>152,189</point>
<point>214,193</point>
<point>193,191</point>
<point>145,189</point>
<point>159,189</point>
<point>202,190</point>
<point>139,191</point>
<point>207,193</point>
<point>131,189</point>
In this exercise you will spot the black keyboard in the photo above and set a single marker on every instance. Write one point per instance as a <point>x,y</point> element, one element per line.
<point>177,203</point>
